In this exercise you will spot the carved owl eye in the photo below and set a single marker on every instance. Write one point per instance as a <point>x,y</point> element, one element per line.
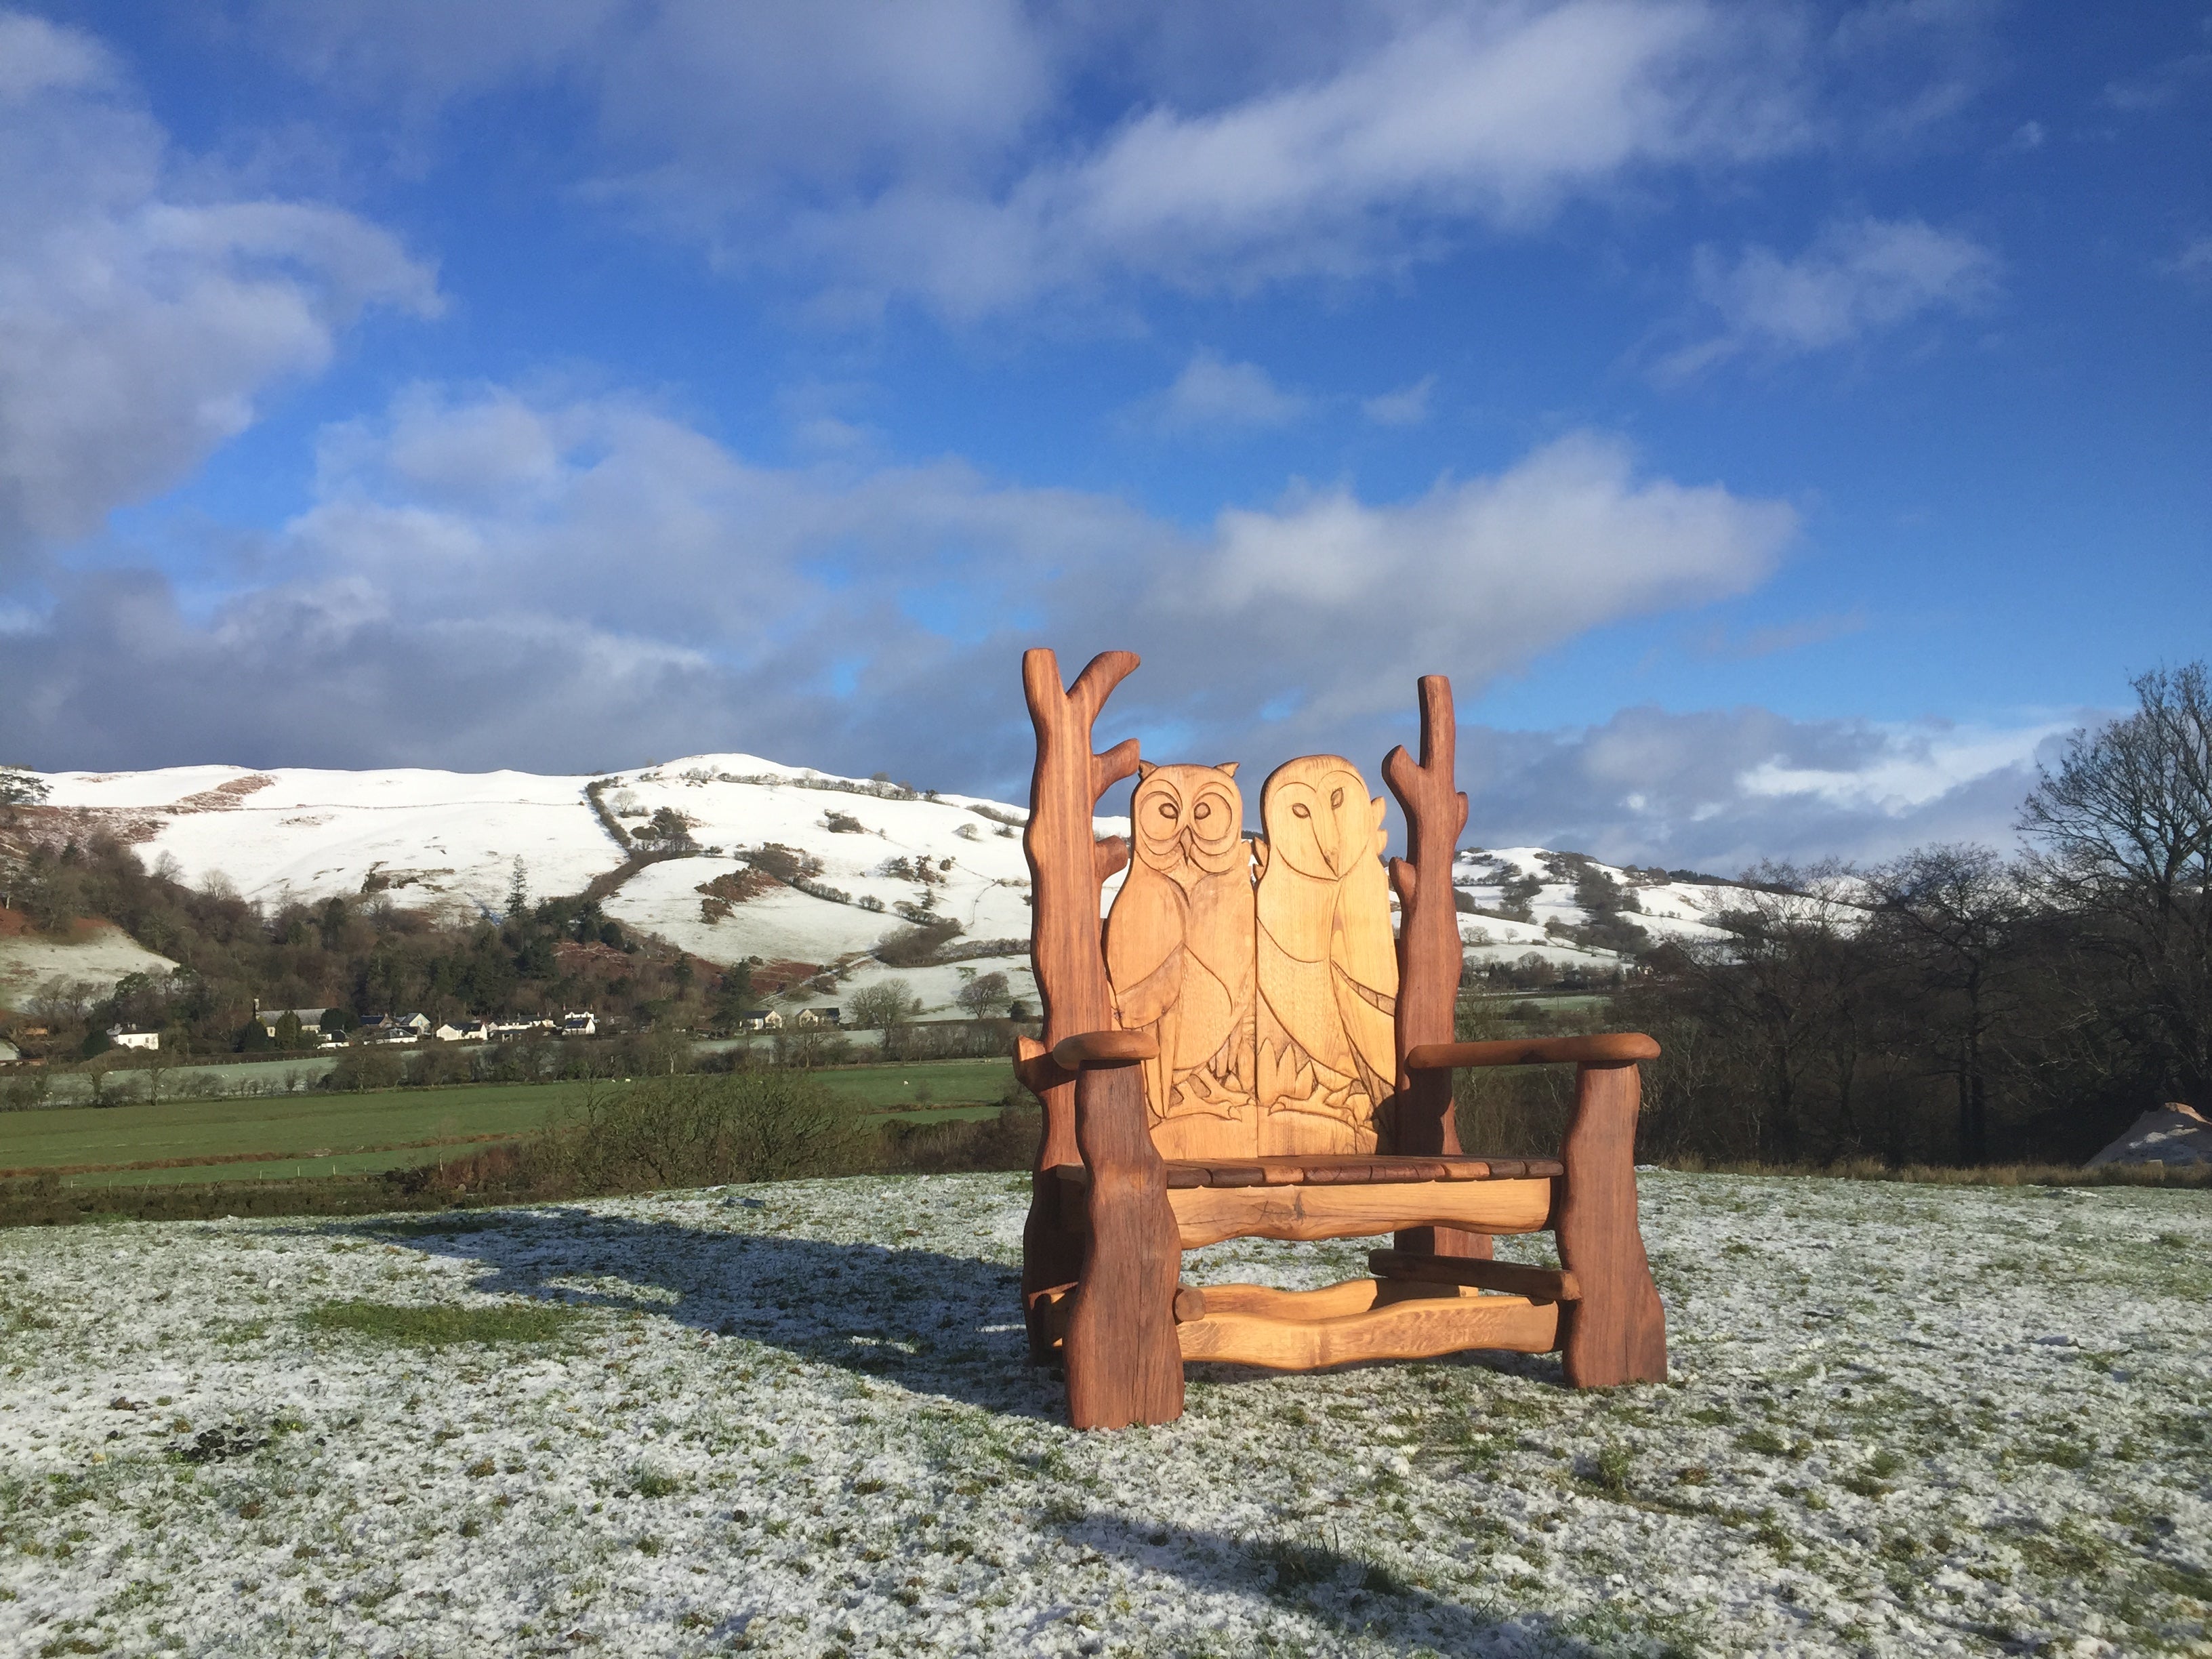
<point>1336,797</point>
<point>1300,810</point>
<point>1203,810</point>
<point>1168,810</point>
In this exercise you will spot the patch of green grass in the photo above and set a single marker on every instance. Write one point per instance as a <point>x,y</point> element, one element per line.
<point>946,1083</point>
<point>1609,1473</point>
<point>348,1126</point>
<point>439,1326</point>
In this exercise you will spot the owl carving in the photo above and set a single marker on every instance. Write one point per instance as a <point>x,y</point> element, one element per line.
<point>1179,939</point>
<point>1326,967</point>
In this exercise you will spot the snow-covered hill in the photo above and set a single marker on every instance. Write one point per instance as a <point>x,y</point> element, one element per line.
<point>876,855</point>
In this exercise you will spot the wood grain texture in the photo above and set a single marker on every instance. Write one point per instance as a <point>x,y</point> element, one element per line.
<point>1179,958</point>
<point>1052,1236</point>
<point>1618,1332</point>
<point>1421,1119</point>
<point>1330,1301</point>
<point>1416,1329</point>
<point>1537,1284</point>
<point>1119,1343</point>
<point>1325,964</point>
<point>1420,1116</point>
<point>1206,1215</point>
<point>1071,1054</point>
<point>1610,1048</point>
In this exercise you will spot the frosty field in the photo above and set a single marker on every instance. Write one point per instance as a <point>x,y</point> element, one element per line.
<point>795,1420</point>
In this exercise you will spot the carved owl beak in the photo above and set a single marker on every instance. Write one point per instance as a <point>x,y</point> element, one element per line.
<point>1328,841</point>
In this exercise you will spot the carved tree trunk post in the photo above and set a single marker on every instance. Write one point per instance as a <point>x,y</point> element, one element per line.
<point>1422,1122</point>
<point>1124,1363</point>
<point>1618,1332</point>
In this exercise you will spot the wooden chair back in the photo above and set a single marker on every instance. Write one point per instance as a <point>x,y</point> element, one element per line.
<point>1263,966</point>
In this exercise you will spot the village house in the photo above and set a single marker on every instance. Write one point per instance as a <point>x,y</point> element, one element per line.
<point>130,1039</point>
<point>760,1019</point>
<point>311,1019</point>
<point>830,1015</point>
<point>585,1024</point>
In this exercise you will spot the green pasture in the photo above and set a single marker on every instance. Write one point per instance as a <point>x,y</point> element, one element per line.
<point>324,1135</point>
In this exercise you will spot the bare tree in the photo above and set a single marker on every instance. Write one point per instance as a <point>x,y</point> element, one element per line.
<point>1954,912</point>
<point>2124,839</point>
<point>1793,975</point>
<point>883,1005</point>
<point>985,994</point>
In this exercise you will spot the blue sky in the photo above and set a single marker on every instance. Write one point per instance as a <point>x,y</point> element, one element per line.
<point>1782,421</point>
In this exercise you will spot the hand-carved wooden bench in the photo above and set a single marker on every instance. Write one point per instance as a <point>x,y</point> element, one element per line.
<point>1242,1049</point>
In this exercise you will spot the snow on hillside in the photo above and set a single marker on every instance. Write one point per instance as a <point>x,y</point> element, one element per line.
<point>100,956</point>
<point>446,839</point>
<point>450,841</point>
<point>1667,909</point>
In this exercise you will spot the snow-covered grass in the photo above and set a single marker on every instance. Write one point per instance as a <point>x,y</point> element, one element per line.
<point>796,1419</point>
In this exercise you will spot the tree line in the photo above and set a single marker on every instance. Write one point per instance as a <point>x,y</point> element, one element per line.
<point>1953,1005</point>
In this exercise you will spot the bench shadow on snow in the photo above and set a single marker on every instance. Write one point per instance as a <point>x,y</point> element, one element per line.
<point>932,1323</point>
<point>1320,1575</point>
<point>947,1325</point>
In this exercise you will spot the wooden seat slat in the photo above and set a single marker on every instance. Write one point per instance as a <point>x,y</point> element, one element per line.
<point>1324,1169</point>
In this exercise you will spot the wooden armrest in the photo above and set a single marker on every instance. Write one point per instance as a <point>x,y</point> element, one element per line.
<point>1103,1048</point>
<point>1612,1048</point>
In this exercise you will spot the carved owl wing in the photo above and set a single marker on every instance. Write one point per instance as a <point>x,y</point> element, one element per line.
<point>1363,963</point>
<point>1145,946</point>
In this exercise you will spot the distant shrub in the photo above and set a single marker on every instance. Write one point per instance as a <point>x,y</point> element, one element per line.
<point>916,945</point>
<point>698,1131</point>
<point>365,1068</point>
<point>784,863</point>
<point>1007,1141</point>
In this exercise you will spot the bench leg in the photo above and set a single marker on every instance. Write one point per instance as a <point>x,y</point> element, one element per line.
<point>1051,1256</point>
<point>1618,1332</point>
<point>1124,1361</point>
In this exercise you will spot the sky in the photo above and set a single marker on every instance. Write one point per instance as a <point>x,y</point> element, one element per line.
<point>1784,423</point>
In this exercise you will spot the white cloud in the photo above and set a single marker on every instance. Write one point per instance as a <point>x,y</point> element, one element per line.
<point>1719,789</point>
<point>1479,575</point>
<point>1858,277</point>
<point>491,579</point>
<point>1212,393</point>
<point>1493,114</point>
<point>981,155</point>
<point>1407,406</point>
<point>139,329</point>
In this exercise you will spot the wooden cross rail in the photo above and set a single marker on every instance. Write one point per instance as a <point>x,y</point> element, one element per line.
<point>1073,1054</point>
<point>1537,1284</point>
<point>1613,1049</point>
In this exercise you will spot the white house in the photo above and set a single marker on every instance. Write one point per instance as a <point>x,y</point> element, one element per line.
<point>122,1039</point>
<point>831,1015</point>
<point>586,1025</point>
<point>760,1019</point>
<point>451,1033</point>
